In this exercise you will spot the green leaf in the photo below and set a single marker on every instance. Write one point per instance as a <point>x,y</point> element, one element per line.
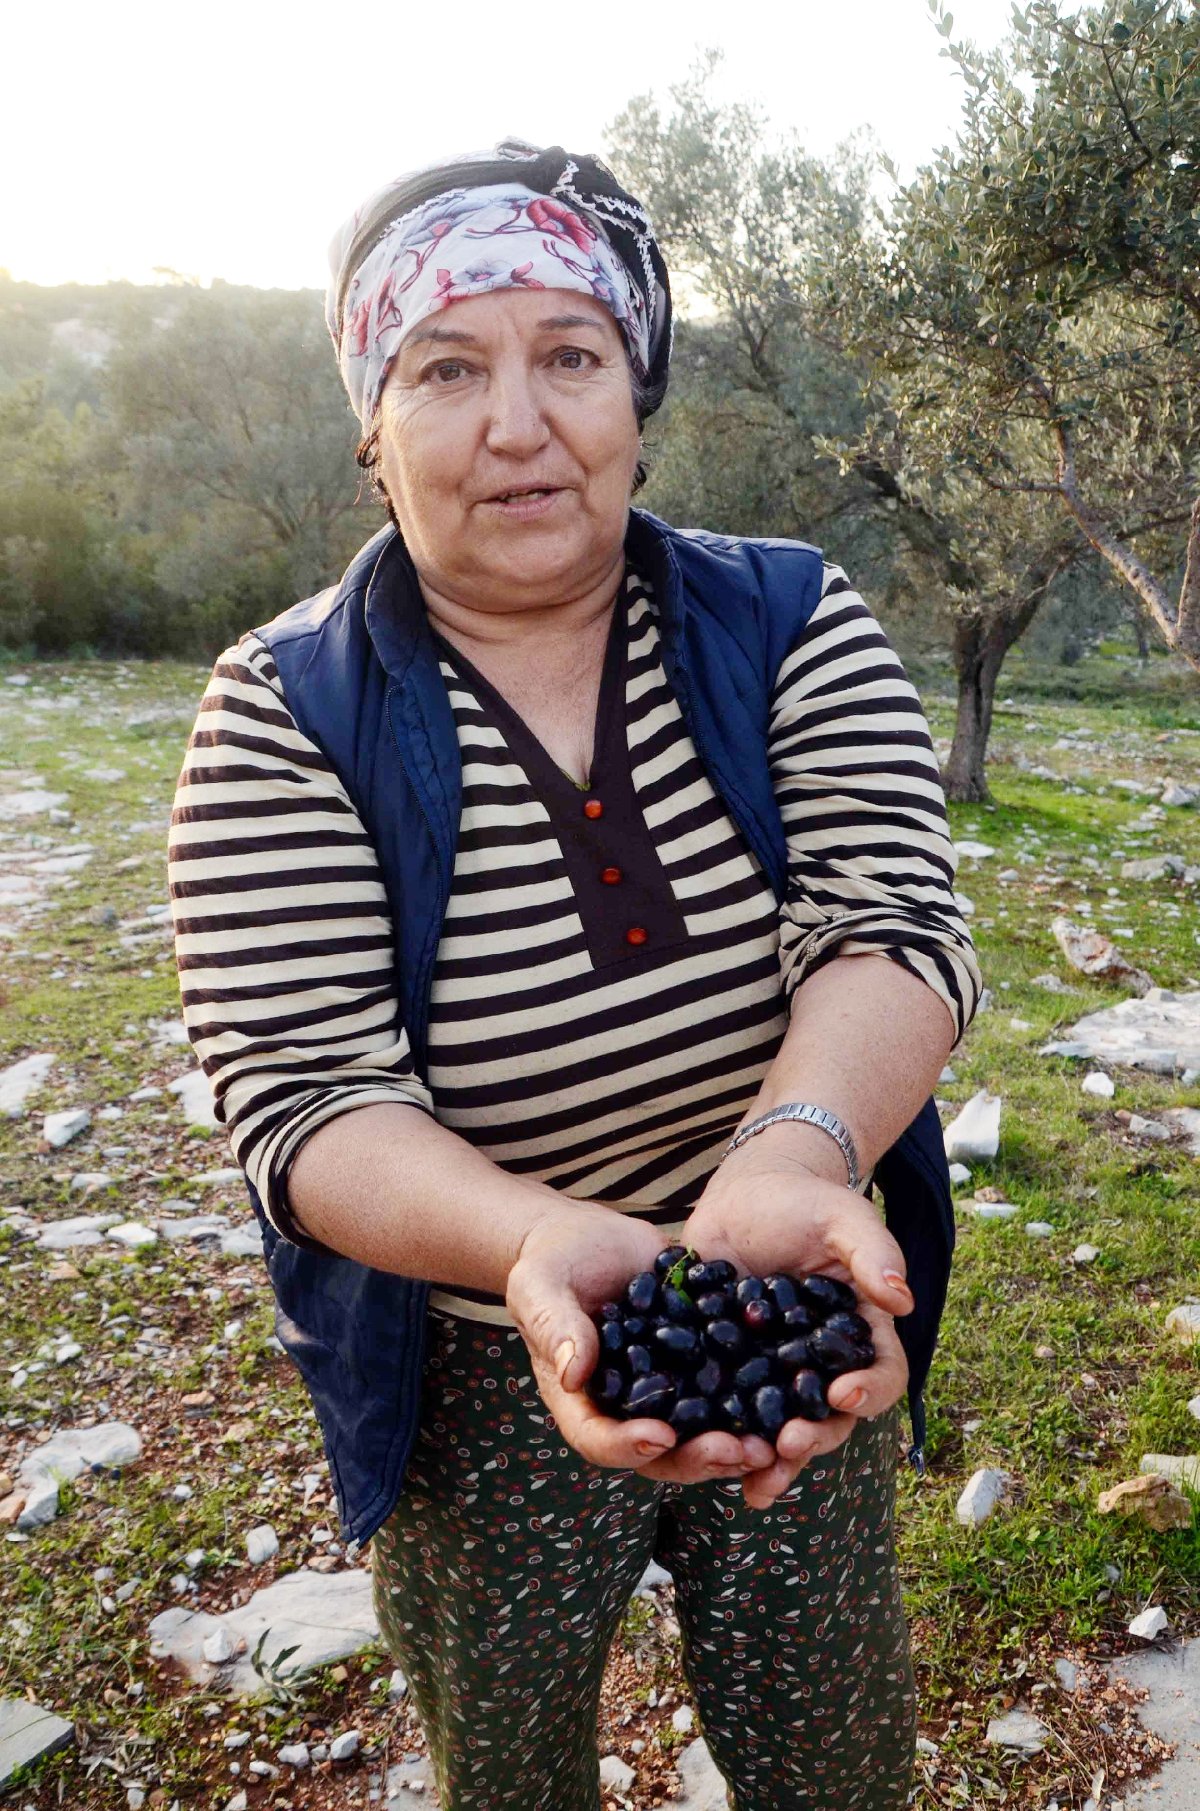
<point>1121,34</point>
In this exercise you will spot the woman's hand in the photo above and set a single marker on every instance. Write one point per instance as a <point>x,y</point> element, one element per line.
<point>766,1211</point>
<point>569,1263</point>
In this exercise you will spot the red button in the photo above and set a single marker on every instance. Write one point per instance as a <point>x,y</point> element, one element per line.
<point>612,877</point>
<point>635,934</point>
<point>593,808</point>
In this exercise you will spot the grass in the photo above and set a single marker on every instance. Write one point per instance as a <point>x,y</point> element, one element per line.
<point>86,975</point>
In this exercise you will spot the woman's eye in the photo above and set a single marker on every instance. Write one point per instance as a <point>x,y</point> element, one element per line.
<point>572,358</point>
<point>446,372</point>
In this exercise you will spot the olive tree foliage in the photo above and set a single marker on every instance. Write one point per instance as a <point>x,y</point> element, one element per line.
<point>1032,299</point>
<point>236,443</point>
<point>760,231</point>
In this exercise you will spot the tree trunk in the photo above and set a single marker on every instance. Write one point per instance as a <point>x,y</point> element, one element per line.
<point>980,645</point>
<point>1137,618</point>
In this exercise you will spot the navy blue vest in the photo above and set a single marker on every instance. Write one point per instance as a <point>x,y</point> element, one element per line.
<point>360,673</point>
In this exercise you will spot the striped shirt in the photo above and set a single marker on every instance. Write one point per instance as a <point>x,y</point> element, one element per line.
<point>610,987</point>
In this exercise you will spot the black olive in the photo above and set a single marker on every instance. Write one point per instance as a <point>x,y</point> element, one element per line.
<point>678,1347</point>
<point>806,1397</point>
<point>642,1293</point>
<point>691,1415</point>
<point>750,1289</point>
<point>725,1339</point>
<point>667,1260</point>
<point>851,1326</point>
<point>638,1361</point>
<point>637,1327</point>
<point>612,1338</point>
<point>783,1291</point>
<point>709,1377</point>
<point>676,1306</point>
<point>795,1354</point>
<point>606,1387</point>
<point>653,1395</point>
<point>731,1413</point>
<point>758,1317</point>
<point>715,1305</point>
<point>827,1294</point>
<point>754,1373</point>
<point>834,1354</point>
<point>799,1319</point>
<point>768,1411</point>
<point>724,1274</point>
<point>609,1311</point>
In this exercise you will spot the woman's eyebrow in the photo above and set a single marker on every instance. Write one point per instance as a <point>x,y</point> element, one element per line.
<point>553,323</point>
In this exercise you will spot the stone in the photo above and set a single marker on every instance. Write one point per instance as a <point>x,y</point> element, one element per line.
<point>1149,1128</point>
<point>1052,984</point>
<point>81,1229</point>
<point>1194,1408</point>
<point>262,1544</point>
<point>1150,1624</point>
<point>1038,1229</point>
<point>1168,1679</point>
<point>1149,1496</point>
<point>1099,1084</point>
<point>294,1754</point>
<point>948,1076</point>
<point>1085,1254</point>
<point>345,1746</point>
<point>410,1775</point>
<point>27,1732</point>
<point>1159,1033</point>
<point>1180,796</point>
<point>1018,1729</point>
<point>975,851</point>
<point>985,1490</point>
<point>242,1241</point>
<point>703,1785</point>
<point>1180,1468</point>
<point>326,1617</point>
<point>219,1646</point>
<point>224,1178</point>
<point>195,1096</point>
<point>60,1128</point>
<point>19,1080</point>
<point>974,1134</point>
<point>959,1173</point>
<point>397,1687</point>
<point>991,1210</point>
<point>196,1226</point>
<point>1154,867</point>
<point>1184,1323</point>
<point>653,1579</point>
<point>88,1181</point>
<point>1187,1121</point>
<point>133,1234</point>
<point>615,1774</point>
<point>682,1719</point>
<point>1068,1674</point>
<point>63,1457</point>
<point>1097,956</point>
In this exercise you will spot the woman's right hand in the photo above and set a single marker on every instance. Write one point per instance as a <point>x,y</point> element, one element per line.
<point>570,1262</point>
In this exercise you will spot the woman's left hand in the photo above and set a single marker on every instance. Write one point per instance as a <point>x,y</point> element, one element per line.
<point>765,1211</point>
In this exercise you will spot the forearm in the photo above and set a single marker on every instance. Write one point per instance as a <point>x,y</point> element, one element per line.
<point>390,1187</point>
<point>868,1041</point>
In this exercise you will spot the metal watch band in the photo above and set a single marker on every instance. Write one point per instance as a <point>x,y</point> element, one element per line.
<point>809,1115</point>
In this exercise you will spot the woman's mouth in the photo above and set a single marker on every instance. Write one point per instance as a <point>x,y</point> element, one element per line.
<point>525,504</point>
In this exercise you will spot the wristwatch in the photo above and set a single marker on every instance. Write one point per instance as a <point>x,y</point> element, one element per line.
<point>807,1115</point>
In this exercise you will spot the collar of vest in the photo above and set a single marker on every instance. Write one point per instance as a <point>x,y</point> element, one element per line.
<point>395,614</point>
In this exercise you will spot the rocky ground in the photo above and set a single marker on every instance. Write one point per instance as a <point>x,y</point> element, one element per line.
<point>183,1624</point>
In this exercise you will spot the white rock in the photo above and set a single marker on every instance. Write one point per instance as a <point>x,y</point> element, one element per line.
<point>195,1096</point>
<point>993,1210</point>
<point>959,1173</point>
<point>25,804</point>
<point>60,1128</point>
<point>1180,1468</point>
<point>616,1774</point>
<point>653,1579</point>
<point>196,1226</point>
<point>1159,1033</point>
<point>976,851</point>
<point>1148,1128</point>
<point>262,1544</point>
<point>145,1094</point>
<point>397,1686</point>
<point>1039,1229</point>
<point>27,1732</point>
<point>133,1234</point>
<point>1184,1322</point>
<point>965,905</point>
<point>324,1616</point>
<point>973,1136</point>
<point>1194,1408</point>
<point>81,1229</point>
<point>926,1747</point>
<point>344,1746</point>
<point>682,1719</point>
<point>239,1802</point>
<point>1018,1729</point>
<point>1187,1121</point>
<point>218,1178</point>
<point>1099,1084</point>
<point>1068,1674</point>
<point>88,1181</point>
<point>63,1457</point>
<point>219,1647</point>
<point>19,1080</point>
<point>67,1351</point>
<point>703,1785</point>
<point>1150,1624</point>
<point>1175,794</point>
<point>947,1075</point>
<point>984,1491</point>
<point>242,1241</point>
<point>294,1754</point>
<point>1085,1254</point>
<point>1154,867</point>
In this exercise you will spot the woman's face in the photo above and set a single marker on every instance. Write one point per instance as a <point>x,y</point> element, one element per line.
<point>508,444</point>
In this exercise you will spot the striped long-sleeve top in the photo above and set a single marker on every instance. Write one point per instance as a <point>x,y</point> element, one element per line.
<point>614,971</point>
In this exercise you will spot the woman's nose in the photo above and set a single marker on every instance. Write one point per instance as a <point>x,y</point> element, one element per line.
<point>516,419</point>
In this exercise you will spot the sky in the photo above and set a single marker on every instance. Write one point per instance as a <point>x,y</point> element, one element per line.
<point>230,139</point>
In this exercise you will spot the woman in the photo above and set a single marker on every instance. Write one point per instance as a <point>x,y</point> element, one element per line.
<point>513,876</point>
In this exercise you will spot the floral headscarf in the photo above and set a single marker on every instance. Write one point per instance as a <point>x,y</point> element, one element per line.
<point>428,240</point>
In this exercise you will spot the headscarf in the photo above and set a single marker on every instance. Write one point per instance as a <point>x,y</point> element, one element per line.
<point>513,218</point>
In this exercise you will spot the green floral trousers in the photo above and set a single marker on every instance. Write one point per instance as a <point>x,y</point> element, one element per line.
<point>503,1573</point>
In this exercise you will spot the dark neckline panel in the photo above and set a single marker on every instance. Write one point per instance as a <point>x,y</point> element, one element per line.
<point>630,916</point>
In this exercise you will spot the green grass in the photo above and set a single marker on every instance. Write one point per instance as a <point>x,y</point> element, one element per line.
<point>990,1607</point>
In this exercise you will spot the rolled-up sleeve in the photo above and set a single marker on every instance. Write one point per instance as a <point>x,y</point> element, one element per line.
<point>870,862</point>
<point>283,934</point>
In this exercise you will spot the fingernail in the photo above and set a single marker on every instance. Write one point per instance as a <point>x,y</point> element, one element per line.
<point>852,1402</point>
<point>896,1281</point>
<point>650,1449</point>
<point>563,1357</point>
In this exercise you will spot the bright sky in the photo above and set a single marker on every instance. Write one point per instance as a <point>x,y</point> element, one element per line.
<point>229,139</point>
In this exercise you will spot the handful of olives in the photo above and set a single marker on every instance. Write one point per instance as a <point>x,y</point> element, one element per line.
<point>693,1344</point>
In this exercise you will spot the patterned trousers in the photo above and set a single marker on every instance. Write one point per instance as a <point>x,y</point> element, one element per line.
<point>502,1575</point>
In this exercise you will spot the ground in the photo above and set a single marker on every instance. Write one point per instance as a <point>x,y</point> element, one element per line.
<point>176,1338</point>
